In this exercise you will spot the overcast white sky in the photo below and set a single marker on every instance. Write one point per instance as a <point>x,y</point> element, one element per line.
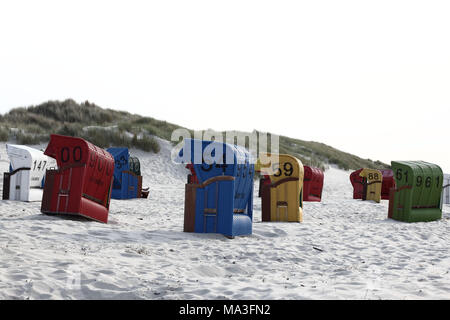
<point>368,77</point>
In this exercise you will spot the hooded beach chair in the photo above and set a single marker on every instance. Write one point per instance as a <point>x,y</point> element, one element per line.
<point>372,182</point>
<point>83,181</point>
<point>24,181</point>
<point>282,198</point>
<point>387,184</point>
<point>312,184</point>
<point>446,189</point>
<point>418,191</point>
<point>219,192</point>
<point>361,186</point>
<point>358,184</point>
<point>127,183</point>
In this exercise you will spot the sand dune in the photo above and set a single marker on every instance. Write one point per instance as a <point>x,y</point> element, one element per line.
<point>344,249</point>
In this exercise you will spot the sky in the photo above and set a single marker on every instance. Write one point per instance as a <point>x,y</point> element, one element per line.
<point>367,77</point>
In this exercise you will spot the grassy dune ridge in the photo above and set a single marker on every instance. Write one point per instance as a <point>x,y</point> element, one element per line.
<point>107,127</point>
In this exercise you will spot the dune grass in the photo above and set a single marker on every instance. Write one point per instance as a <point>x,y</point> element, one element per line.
<point>107,127</point>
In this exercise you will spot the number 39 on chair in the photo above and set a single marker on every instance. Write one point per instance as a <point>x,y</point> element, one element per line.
<point>281,196</point>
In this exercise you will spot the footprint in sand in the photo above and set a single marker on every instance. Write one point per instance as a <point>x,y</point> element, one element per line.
<point>276,232</point>
<point>209,271</point>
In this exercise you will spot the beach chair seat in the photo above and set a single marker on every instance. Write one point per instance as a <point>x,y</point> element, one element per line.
<point>127,183</point>
<point>282,197</point>
<point>82,183</point>
<point>312,184</point>
<point>25,179</point>
<point>219,193</point>
<point>418,191</point>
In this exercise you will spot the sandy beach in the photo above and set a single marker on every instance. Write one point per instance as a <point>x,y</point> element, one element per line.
<point>344,249</point>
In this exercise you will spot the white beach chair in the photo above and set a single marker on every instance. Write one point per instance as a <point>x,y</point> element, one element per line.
<point>27,170</point>
<point>446,190</point>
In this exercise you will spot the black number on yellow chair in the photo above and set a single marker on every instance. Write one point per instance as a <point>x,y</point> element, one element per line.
<point>276,167</point>
<point>287,167</point>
